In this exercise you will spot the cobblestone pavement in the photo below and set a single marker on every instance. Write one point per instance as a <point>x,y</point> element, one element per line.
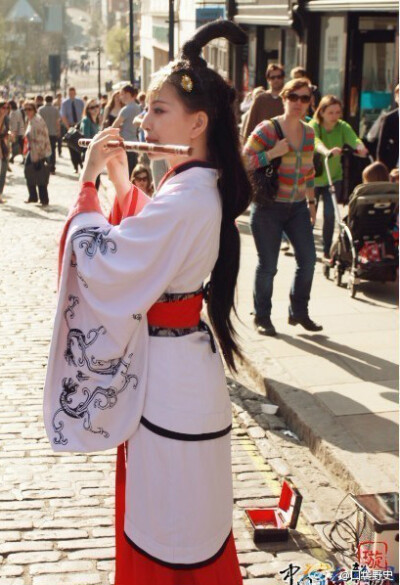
<point>56,511</point>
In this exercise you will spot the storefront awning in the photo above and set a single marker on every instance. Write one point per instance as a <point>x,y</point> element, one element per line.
<point>352,5</point>
<point>276,14</point>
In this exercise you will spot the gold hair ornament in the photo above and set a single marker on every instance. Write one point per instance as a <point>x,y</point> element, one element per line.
<point>187,83</point>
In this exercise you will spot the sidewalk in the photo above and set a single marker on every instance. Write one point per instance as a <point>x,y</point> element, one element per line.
<point>57,510</point>
<point>338,390</point>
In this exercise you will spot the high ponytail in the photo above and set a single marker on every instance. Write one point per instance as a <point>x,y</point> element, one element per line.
<point>211,94</point>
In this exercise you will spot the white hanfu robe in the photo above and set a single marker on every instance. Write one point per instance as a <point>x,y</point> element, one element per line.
<point>105,372</point>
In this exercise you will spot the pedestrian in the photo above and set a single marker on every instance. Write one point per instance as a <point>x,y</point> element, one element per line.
<point>37,168</point>
<point>245,106</point>
<point>4,137</point>
<point>141,177</point>
<point>298,72</point>
<point>125,118</point>
<point>178,498</point>
<point>57,103</point>
<point>268,104</point>
<point>331,134</point>
<point>111,110</point>
<point>71,114</point>
<point>39,101</point>
<point>387,150</point>
<point>90,124</point>
<point>51,115</point>
<point>17,128</point>
<point>293,209</point>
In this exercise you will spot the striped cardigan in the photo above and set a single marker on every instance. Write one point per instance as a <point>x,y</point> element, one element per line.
<point>296,171</point>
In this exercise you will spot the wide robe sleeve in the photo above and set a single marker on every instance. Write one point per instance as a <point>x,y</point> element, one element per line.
<point>111,275</point>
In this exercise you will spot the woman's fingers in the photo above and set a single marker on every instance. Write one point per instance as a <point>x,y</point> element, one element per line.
<point>101,142</point>
<point>106,135</point>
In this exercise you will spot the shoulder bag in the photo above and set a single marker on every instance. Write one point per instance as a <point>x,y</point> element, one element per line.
<point>318,159</point>
<point>264,181</point>
<point>71,138</point>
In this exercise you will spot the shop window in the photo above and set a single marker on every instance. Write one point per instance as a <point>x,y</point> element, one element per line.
<point>377,23</point>
<point>272,40</point>
<point>290,54</point>
<point>332,59</point>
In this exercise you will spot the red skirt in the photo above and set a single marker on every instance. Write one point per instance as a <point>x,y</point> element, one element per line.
<point>134,568</point>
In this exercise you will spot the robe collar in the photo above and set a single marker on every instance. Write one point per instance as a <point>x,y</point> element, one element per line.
<point>180,168</point>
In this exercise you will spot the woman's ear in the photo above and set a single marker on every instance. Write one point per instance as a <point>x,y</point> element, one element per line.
<point>200,124</point>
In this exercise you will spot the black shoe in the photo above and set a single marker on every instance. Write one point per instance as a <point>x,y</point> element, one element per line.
<point>264,326</point>
<point>305,322</point>
<point>31,201</point>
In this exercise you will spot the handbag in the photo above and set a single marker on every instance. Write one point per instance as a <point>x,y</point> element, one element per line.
<point>318,159</point>
<point>71,138</point>
<point>264,181</point>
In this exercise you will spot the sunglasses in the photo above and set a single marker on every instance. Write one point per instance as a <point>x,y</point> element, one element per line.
<point>142,178</point>
<point>93,108</point>
<point>275,77</point>
<point>28,109</point>
<point>295,97</point>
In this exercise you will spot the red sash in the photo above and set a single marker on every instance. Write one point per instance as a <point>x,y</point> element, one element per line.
<point>176,314</point>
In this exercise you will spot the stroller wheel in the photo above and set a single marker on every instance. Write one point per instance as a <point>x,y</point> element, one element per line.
<point>338,276</point>
<point>326,270</point>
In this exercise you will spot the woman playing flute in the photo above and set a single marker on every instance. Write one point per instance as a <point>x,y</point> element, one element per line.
<point>131,361</point>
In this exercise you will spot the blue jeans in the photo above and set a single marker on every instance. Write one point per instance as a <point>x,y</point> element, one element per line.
<point>329,213</point>
<point>267,225</point>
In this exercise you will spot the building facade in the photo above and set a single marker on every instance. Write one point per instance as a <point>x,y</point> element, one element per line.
<point>154,34</point>
<point>349,48</point>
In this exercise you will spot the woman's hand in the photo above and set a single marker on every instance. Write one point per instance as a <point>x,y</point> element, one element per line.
<point>281,147</point>
<point>118,172</point>
<point>117,166</point>
<point>362,150</point>
<point>99,154</point>
<point>312,205</point>
<point>335,151</point>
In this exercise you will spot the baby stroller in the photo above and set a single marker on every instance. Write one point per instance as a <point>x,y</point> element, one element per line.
<point>367,245</point>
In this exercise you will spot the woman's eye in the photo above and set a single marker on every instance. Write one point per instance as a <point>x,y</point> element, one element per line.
<point>158,111</point>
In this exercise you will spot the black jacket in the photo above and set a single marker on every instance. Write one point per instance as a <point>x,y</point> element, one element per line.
<point>388,141</point>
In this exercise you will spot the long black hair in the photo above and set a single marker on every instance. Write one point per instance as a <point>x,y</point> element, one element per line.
<point>203,89</point>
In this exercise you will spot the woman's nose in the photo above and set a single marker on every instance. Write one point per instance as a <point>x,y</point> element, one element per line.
<point>145,125</point>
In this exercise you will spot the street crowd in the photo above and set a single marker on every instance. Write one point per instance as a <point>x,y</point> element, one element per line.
<point>132,284</point>
<point>288,128</point>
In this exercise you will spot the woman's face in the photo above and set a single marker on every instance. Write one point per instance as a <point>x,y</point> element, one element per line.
<point>117,100</point>
<point>93,110</point>
<point>167,121</point>
<point>331,115</point>
<point>141,180</point>
<point>297,102</point>
<point>29,111</point>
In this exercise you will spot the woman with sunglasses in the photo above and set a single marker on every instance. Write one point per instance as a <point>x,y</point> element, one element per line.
<point>111,110</point>
<point>292,211</point>
<point>141,177</point>
<point>333,133</point>
<point>90,124</point>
